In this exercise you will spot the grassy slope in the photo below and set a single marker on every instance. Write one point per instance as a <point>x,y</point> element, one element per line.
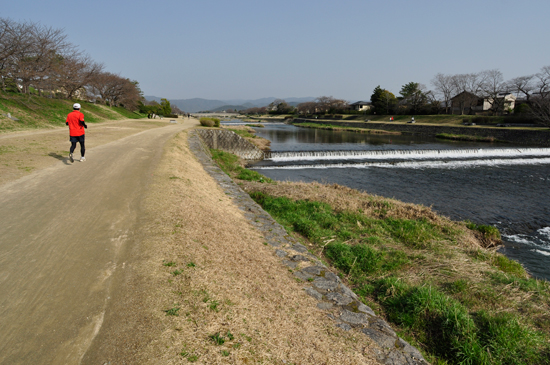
<point>431,277</point>
<point>38,112</point>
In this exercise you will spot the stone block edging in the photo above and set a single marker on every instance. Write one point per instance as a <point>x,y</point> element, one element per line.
<point>336,299</point>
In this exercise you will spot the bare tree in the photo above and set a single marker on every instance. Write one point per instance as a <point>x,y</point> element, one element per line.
<point>108,87</point>
<point>76,71</point>
<point>308,107</point>
<point>522,85</point>
<point>540,100</point>
<point>444,87</point>
<point>467,88</point>
<point>35,65</point>
<point>15,41</point>
<point>279,106</point>
<point>328,104</point>
<point>492,87</point>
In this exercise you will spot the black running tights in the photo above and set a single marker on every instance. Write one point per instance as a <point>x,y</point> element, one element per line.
<point>82,148</point>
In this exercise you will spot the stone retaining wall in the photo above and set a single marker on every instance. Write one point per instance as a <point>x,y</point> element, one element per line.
<point>531,137</point>
<point>231,142</point>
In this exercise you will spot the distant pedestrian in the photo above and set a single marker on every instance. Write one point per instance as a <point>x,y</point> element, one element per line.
<point>75,121</point>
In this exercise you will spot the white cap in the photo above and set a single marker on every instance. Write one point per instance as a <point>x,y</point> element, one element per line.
<point>76,106</point>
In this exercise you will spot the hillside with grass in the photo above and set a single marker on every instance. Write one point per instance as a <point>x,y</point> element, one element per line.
<point>32,112</point>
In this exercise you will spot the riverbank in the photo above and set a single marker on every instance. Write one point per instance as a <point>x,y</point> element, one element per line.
<point>539,137</point>
<point>420,271</point>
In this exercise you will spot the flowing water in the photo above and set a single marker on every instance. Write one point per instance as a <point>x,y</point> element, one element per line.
<point>487,183</point>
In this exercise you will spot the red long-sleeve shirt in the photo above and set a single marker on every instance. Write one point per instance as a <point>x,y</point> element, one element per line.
<point>76,123</point>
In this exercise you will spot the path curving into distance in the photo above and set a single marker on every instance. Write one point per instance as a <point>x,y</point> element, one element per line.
<point>64,232</point>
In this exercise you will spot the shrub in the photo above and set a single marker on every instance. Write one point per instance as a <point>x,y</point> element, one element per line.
<point>206,122</point>
<point>209,122</point>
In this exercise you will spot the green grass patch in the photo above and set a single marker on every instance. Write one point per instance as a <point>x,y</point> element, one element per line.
<point>453,318</point>
<point>34,111</point>
<point>456,335</point>
<point>243,133</point>
<point>488,232</point>
<point>342,128</point>
<point>229,163</point>
<point>172,311</point>
<point>316,220</point>
<point>508,266</point>
<point>463,137</point>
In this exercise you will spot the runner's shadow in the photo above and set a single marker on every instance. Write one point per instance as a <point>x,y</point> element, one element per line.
<point>64,159</point>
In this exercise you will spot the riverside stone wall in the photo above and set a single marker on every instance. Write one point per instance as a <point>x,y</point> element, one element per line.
<point>231,142</point>
<point>535,137</point>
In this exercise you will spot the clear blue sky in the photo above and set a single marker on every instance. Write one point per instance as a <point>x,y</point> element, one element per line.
<point>239,49</point>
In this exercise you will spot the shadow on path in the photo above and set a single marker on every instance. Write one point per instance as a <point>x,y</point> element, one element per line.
<point>59,157</point>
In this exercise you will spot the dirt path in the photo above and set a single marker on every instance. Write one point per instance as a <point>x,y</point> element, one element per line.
<point>93,254</point>
<point>64,229</point>
<point>22,153</point>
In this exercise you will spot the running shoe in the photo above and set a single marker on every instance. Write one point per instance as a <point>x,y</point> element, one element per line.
<point>82,159</point>
<point>71,157</point>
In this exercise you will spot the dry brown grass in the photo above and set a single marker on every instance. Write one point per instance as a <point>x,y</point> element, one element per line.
<point>255,297</point>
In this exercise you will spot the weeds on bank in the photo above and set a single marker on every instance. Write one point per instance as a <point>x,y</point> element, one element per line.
<point>347,129</point>
<point>463,137</point>
<point>485,312</point>
<point>229,163</point>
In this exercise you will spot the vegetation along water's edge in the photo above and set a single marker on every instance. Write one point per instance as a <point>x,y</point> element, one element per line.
<point>462,137</point>
<point>440,283</point>
<point>519,135</point>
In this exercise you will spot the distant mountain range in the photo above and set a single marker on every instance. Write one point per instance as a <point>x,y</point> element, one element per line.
<point>197,105</point>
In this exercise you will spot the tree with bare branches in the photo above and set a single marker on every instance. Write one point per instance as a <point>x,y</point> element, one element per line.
<point>467,88</point>
<point>444,87</point>
<point>75,71</point>
<point>540,100</point>
<point>492,89</point>
<point>308,107</point>
<point>34,67</point>
<point>523,85</point>
<point>328,104</point>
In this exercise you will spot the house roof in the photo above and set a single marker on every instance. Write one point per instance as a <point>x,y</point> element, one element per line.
<point>361,103</point>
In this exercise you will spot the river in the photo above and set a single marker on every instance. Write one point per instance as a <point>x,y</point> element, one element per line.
<point>487,183</point>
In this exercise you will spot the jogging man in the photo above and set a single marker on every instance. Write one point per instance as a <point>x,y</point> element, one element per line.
<point>75,121</point>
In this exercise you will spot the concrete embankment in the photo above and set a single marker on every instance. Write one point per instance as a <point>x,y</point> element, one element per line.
<point>519,136</point>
